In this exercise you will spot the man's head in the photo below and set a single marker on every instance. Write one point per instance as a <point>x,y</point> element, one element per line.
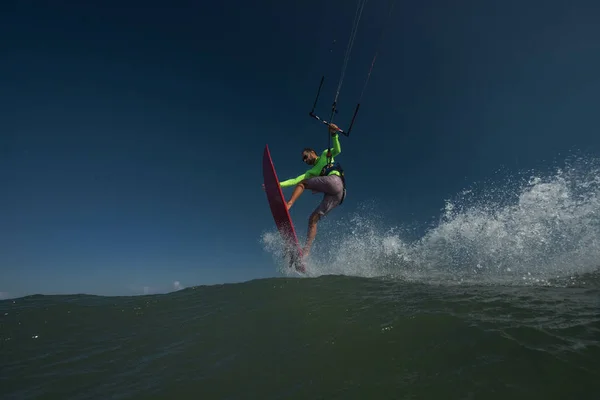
<point>309,156</point>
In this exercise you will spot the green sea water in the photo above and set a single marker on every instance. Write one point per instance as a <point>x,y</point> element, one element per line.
<point>331,337</point>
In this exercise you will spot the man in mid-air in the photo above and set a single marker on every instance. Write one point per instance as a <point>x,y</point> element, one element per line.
<point>326,176</point>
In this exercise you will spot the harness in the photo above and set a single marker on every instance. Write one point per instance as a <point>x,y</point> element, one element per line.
<point>327,169</point>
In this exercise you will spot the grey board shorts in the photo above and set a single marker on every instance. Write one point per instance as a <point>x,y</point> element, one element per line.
<point>333,189</point>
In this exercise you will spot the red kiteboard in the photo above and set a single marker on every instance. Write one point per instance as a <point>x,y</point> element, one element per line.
<point>280,212</point>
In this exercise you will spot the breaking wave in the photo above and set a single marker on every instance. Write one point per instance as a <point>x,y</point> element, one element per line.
<point>532,229</point>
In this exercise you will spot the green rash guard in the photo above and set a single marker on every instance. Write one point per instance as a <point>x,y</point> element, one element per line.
<point>316,169</point>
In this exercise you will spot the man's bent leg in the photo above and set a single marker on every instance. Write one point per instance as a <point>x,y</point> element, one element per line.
<point>297,192</point>
<point>327,204</point>
<point>312,232</point>
<point>329,185</point>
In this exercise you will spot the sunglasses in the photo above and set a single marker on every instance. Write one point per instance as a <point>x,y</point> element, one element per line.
<point>304,157</point>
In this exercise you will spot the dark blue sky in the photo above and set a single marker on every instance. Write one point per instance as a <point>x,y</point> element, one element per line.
<point>131,133</point>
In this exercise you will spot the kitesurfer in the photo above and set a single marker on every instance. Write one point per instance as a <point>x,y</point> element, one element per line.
<point>326,176</point>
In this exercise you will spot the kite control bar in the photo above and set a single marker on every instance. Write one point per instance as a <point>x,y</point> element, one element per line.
<point>333,111</point>
<point>327,123</point>
<point>359,10</point>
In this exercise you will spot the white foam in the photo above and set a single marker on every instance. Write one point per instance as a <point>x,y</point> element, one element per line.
<point>520,231</point>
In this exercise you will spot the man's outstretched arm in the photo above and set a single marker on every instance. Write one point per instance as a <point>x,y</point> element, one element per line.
<point>294,181</point>
<point>314,171</point>
<point>336,149</point>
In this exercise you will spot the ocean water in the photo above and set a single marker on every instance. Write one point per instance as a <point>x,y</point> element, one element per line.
<point>329,337</point>
<point>499,298</point>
